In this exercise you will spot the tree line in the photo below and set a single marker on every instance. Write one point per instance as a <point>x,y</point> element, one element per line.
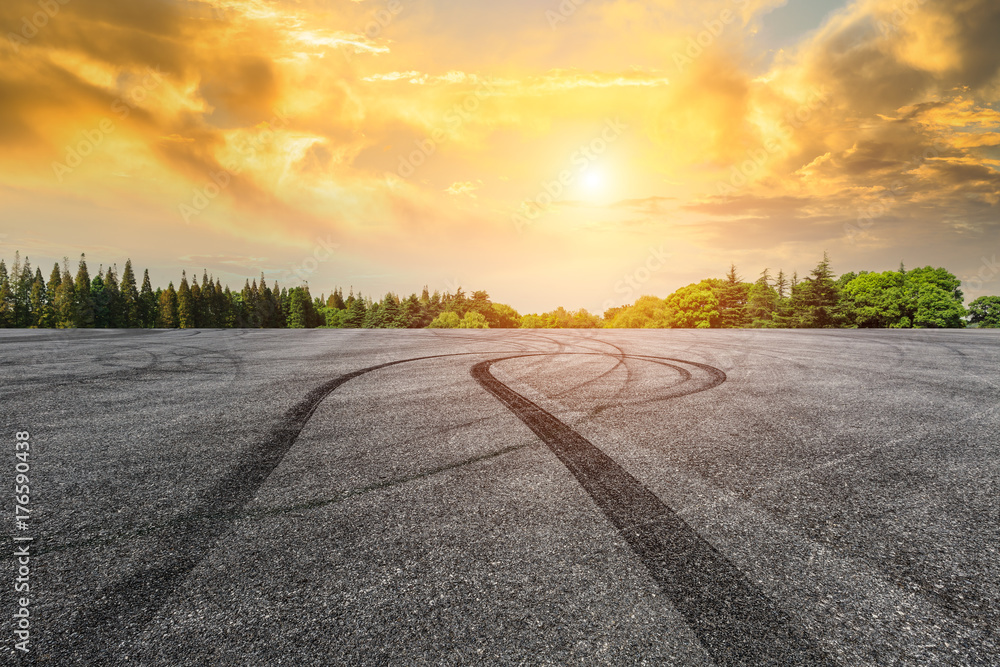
<point>922,297</point>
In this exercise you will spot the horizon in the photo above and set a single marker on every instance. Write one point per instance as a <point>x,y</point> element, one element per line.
<point>541,153</point>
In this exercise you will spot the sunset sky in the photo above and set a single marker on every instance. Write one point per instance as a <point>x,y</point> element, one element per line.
<point>542,151</point>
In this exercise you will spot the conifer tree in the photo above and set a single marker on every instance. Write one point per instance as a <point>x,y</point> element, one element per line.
<point>781,284</point>
<point>38,306</point>
<point>64,305</point>
<point>21,280</point>
<point>732,295</point>
<point>130,303</point>
<point>356,312</point>
<point>819,305</point>
<point>149,303</point>
<point>185,310</point>
<point>298,309</point>
<point>114,299</point>
<point>167,318</point>
<point>221,305</point>
<point>197,319</point>
<point>6,298</point>
<point>99,297</point>
<point>762,304</point>
<point>82,300</point>
<point>51,289</point>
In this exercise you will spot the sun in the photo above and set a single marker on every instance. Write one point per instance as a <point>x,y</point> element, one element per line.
<point>592,182</point>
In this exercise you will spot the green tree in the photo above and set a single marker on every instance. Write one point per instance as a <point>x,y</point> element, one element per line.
<point>64,305</point>
<point>877,300</point>
<point>699,305</point>
<point>149,303</point>
<point>935,298</point>
<point>298,310</point>
<point>82,300</point>
<point>336,300</point>
<point>474,320</point>
<point>99,296</point>
<point>130,304</point>
<point>6,298</point>
<point>356,312</point>
<point>938,309</point>
<point>116,310</point>
<point>40,313</point>
<point>985,312</point>
<point>167,317</point>
<point>818,305</point>
<point>763,302</point>
<point>51,288</point>
<point>732,295</point>
<point>185,307</point>
<point>446,320</point>
<point>197,315</point>
<point>648,312</point>
<point>21,279</point>
<point>505,317</point>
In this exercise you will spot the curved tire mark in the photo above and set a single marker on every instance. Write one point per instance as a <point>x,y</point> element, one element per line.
<point>733,618</point>
<point>122,610</point>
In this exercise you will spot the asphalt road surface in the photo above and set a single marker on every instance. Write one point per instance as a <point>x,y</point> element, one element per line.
<point>524,497</point>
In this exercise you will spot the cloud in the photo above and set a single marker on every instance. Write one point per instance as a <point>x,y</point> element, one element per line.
<point>311,107</point>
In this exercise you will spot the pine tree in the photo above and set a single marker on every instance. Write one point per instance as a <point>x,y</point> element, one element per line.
<point>51,290</point>
<point>206,310</point>
<point>185,310</point>
<point>819,305</point>
<point>781,284</point>
<point>131,307</point>
<point>6,298</point>
<point>356,312</point>
<point>762,304</point>
<point>64,305</point>
<point>83,302</point>
<point>149,303</point>
<point>114,299</point>
<point>99,296</point>
<point>732,295</point>
<point>167,317</point>
<point>21,280</point>
<point>229,312</point>
<point>221,305</point>
<point>39,307</point>
<point>197,318</point>
<point>298,309</point>
<point>284,305</point>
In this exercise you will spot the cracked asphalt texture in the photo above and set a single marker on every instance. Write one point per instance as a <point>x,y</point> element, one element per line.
<point>645,496</point>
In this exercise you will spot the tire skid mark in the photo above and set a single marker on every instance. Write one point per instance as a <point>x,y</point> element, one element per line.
<point>123,609</point>
<point>730,616</point>
<point>733,618</point>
